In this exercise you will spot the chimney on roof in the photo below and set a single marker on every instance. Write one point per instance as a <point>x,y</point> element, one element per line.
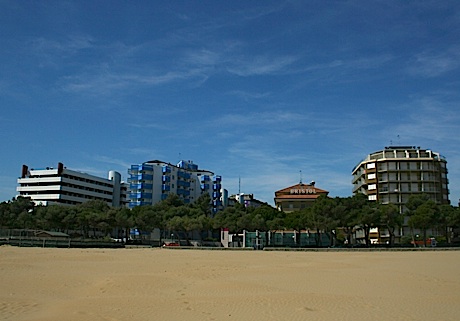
<point>24,171</point>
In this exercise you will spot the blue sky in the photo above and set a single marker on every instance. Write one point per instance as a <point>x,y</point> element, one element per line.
<point>269,91</point>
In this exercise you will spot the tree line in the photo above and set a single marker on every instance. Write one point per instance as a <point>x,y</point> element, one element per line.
<point>339,217</point>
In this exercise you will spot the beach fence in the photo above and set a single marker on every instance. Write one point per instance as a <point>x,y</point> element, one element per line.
<point>40,238</point>
<point>282,238</point>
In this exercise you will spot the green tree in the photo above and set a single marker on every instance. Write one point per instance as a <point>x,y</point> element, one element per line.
<point>424,217</point>
<point>267,219</point>
<point>90,215</point>
<point>21,212</point>
<point>69,220</point>
<point>54,216</point>
<point>297,220</point>
<point>348,211</point>
<point>203,204</point>
<point>369,217</point>
<point>125,221</point>
<point>324,216</point>
<point>415,201</point>
<point>5,218</point>
<point>447,219</point>
<point>391,219</point>
<point>230,218</point>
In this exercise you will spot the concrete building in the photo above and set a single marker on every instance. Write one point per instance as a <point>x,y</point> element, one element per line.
<point>247,200</point>
<point>60,185</point>
<point>394,174</point>
<point>297,197</point>
<point>153,181</point>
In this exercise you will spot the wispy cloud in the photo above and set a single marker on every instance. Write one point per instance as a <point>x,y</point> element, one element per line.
<point>433,63</point>
<point>247,96</point>
<point>70,45</point>
<point>261,65</point>
<point>429,120</point>
<point>145,152</point>
<point>201,57</point>
<point>158,126</point>
<point>260,118</point>
<point>261,11</point>
<point>265,168</point>
<point>107,82</point>
<point>113,161</point>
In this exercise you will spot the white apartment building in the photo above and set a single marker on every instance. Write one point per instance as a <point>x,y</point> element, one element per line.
<point>392,175</point>
<point>60,185</point>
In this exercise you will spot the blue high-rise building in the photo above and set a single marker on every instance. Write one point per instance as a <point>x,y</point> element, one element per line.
<point>153,181</point>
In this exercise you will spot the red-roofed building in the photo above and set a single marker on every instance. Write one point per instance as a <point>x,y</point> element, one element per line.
<point>297,197</point>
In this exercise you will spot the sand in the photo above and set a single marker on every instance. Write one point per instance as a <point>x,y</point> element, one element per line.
<point>166,284</point>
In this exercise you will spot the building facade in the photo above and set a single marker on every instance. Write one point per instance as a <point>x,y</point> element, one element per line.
<point>247,200</point>
<point>297,197</point>
<point>47,186</point>
<point>394,174</point>
<point>152,182</point>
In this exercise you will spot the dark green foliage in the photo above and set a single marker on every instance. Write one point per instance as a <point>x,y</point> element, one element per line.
<point>337,217</point>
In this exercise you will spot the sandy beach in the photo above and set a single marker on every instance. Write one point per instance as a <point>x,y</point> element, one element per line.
<point>162,284</point>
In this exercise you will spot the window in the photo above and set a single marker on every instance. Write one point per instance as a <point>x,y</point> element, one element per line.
<point>372,197</point>
<point>371,176</point>
<point>372,187</point>
<point>370,165</point>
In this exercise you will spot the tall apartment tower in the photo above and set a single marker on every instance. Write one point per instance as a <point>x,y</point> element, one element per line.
<point>153,181</point>
<point>394,174</point>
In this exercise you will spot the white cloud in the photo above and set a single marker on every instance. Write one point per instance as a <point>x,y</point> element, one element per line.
<point>112,82</point>
<point>261,65</point>
<point>111,160</point>
<point>257,119</point>
<point>247,96</point>
<point>434,63</point>
<point>71,45</point>
<point>430,120</point>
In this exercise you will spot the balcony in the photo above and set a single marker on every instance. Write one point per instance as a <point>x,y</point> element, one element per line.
<point>139,186</point>
<point>166,178</point>
<point>133,196</point>
<point>217,179</point>
<point>166,169</point>
<point>140,195</point>
<point>145,167</point>
<point>183,192</point>
<point>205,178</point>
<point>145,177</point>
<point>132,179</point>
<point>216,187</point>
<point>183,184</point>
<point>165,187</point>
<point>183,175</point>
<point>204,187</point>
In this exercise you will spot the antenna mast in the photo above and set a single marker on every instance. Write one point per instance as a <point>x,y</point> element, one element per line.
<point>300,172</point>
